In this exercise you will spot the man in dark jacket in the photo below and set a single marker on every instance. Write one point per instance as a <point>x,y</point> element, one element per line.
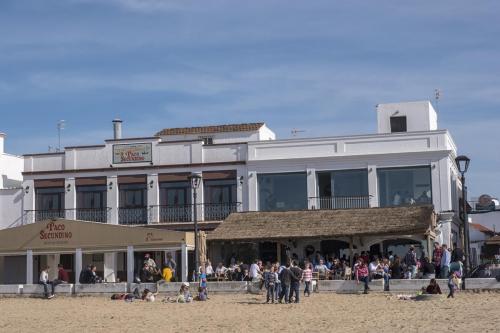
<point>295,277</point>
<point>285,277</point>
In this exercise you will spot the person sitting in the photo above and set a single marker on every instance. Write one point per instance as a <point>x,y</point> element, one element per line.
<point>428,269</point>
<point>376,270</point>
<point>321,268</point>
<point>202,294</point>
<point>89,275</point>
<point>433,288</point>
<point>167,274</point>
<point>62,275</point>
<point>149,261</point>
<point>245,276</point>
<point>220,271</point>
<point>184,294</point>
<point>209,269</point>
<point>146,275</point>
<point>44,280</point>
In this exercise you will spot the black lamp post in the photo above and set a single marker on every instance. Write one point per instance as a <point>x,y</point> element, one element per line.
<point>462,162</point>
<point>195,180</point>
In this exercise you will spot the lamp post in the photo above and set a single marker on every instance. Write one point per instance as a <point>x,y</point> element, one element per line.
<point>462,162</point>
<point>195,180</point>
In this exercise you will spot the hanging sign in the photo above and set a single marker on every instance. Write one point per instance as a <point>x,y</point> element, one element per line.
<point>132,153</point>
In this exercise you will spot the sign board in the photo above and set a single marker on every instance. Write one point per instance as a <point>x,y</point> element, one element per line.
<point>132,153</point>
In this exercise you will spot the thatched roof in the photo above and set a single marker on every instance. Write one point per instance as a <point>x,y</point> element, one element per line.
<point>325,223</point>
<point>494,240</point>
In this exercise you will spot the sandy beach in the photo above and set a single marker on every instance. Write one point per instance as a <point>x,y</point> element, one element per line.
<point>244,313</point>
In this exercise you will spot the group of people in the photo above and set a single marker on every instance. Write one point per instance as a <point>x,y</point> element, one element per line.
<point>62,277</point>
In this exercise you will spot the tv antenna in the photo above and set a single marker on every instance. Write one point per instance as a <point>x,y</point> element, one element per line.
<point>296,131</point>
<point>437,96</point>
<point>60,126</point>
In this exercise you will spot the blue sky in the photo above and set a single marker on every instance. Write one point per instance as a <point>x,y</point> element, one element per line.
<point>319,66</point>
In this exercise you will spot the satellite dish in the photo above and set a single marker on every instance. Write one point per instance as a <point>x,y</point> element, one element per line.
<point>485,202</point>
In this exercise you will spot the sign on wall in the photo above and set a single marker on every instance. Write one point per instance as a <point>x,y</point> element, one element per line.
<point>132,153</point>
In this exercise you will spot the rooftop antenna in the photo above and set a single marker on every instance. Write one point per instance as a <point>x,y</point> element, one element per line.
<point>60,126</point>
<point>437,96</point>
<point>296,131</point>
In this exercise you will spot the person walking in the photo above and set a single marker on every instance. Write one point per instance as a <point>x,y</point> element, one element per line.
<point>296,277</point>
<point>307,278</point>
<point>44,280</point>
<point>410,261</point>
<point>445,262</point>
<point>452,285</point>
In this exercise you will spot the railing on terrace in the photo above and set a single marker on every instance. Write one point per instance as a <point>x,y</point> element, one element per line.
<point>340,202</point>
<point>137,215</point>
<point>84,214</point>
<point>185,213</point>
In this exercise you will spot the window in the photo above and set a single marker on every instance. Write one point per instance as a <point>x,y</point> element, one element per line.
<point>343,183</point>
<point>398,124</point>
<point>50,198</point>
<point>219,191</point>
<point>283,191</point>
<point>207,140</point>
<point>88,197</point>
<point>175,193</point>
<point>404,186</point>
<point>133,195</point>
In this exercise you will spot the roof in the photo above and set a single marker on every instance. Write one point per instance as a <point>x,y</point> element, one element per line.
<point>211,129</point>
<point>482,228</point>
<point>67,235</point>
<point>493,240</point>
<point>325,223</point>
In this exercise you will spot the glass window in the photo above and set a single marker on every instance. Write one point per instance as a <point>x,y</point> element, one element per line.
<point>284,191</point>
<point>133,195</point>
<point>175,193</point>
<point>219,191</point>
<point>49,198</point>
<point>404,186</point>
<point>89,197</point>
<point>343,183</point>
<point>398,124</point>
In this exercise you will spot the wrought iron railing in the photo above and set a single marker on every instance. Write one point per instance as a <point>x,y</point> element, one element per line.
<point>137,215</point>
<point>185,213</point>
<point>84,214</point>
<point>340,202</point>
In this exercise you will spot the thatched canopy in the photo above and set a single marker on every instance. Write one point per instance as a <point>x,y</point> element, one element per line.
<point>325,223</point>
<point>493,241</point>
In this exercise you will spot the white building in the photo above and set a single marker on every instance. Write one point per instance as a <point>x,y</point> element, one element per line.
<point>407,164</point>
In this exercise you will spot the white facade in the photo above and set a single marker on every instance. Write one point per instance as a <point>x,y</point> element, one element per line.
<point>420,115</point>
<point>11,200</point>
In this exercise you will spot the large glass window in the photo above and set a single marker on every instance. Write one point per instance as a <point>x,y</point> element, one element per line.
<point>133,195</point>
<point>219,191</point>
<point>51,198</point>
<point>343,183</point>
<point>404,186</point>
<point>91,197</point>
<point>175,193</point>
<point>282,191</point>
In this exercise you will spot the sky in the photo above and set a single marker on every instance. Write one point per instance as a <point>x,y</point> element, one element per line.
<point>317,66</point>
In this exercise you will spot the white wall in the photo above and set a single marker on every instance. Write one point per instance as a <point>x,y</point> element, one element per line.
<point>420,116</point>
<point>11,207</point>
<point>11,168</point>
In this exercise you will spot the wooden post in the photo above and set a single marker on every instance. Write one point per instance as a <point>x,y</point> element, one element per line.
<point>351,251</point>
<point>278,252</point>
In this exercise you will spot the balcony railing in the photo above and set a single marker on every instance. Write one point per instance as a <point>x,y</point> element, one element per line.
<point>137,215</point>
<point>185,213</point>
<point>84,214</point>
<point>340,202</point>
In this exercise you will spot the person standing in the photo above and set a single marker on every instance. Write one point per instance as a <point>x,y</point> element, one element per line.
<point>307,278</point>
<point>410,261</point>
<point>452,285</point>
<point>362,274</point>
<point>170,262</point>
<point>436,258</point>
<point>445,262</point>
<point>296,276</point>
<point>44,280</point>
<point>285,277</point>
<point>270,283</point>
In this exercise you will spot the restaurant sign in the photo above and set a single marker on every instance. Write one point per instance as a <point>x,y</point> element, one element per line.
<point>132,153</point>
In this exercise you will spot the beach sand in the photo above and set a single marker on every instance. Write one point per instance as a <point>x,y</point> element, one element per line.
<point>325,312</point>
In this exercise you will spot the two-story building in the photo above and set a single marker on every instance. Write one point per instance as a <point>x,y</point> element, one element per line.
<point>330,194</point>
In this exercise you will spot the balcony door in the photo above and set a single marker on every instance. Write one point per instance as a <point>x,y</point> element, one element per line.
<point>342,189</point>
<point>175,202</point>
<point>91,203</point>
<point>219,198</point>
<point>133,204</point>
<point>49,203</point>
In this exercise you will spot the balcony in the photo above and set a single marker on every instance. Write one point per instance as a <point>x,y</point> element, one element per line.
<point>340,202</point>
<point>185,213</point>
<point>83,214</point>
<point>132,216</point>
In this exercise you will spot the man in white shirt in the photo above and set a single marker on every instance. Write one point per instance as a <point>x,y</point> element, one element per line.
<point>44,280</point>
<point>254,273</point>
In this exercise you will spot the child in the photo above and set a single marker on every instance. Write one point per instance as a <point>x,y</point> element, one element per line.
<point>202,296</point>
<point>148,295</point>
<point>452,284</point>
<point>307,277</point>
<point>203,280</point>
<point>270,282</point>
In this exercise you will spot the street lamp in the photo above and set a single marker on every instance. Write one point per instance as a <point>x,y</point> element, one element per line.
<point>195,179</point>
<point>462,162</point>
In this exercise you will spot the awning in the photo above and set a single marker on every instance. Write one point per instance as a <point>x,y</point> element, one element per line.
<point>408,220</point>
<point>67,235</point>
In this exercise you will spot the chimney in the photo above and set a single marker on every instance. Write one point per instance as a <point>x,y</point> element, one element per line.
<point>117,129</point>
<point>2,141</point>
